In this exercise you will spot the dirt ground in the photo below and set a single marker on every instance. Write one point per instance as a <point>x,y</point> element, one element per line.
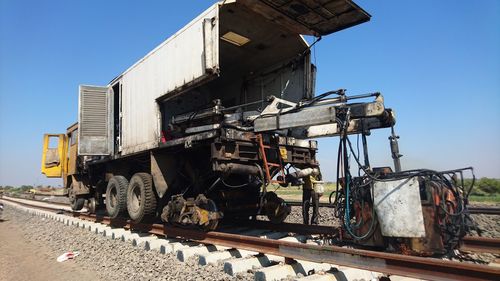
<point>22,259</point>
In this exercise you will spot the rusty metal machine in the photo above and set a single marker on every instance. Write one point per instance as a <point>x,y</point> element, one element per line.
<point>255,149</point>
<point>420,212</point>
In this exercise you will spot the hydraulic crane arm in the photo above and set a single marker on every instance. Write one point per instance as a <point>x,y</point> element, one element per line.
<point>319,117</point>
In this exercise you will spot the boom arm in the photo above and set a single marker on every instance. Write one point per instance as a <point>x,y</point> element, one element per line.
<point>318,118</point>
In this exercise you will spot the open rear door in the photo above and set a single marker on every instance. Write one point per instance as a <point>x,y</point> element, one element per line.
<point>94,117</point>
<point>54,158</point>
<point>310,17</point>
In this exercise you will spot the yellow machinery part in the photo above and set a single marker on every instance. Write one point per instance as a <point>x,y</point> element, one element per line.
<point>54,159</point>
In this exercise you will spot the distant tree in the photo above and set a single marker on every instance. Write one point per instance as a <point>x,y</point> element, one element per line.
<point>484,186</point>
<point>25,188</point>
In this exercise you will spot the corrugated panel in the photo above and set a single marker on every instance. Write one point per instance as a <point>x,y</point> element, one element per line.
<point>177,62</point>
<point>93,121</point>
<point>93,113</point>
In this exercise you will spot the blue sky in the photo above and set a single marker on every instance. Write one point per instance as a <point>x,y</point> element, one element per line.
<point>436,62</point>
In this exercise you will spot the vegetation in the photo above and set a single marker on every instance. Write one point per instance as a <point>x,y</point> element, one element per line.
<point>12,189</point>
<point>485,199</point>
<point>294,193</point>
<point>484,187</point>
<point>26,188</point>
<point>484,190</point>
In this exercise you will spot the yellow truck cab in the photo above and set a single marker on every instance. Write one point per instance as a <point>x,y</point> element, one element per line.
<point>60,160</point>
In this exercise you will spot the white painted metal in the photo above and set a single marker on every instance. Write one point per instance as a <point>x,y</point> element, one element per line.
<point>93,118</point>
<point>189,56</point>
<point>398,208</point>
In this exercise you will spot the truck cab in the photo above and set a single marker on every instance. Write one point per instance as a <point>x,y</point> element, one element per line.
<point>60,160</point>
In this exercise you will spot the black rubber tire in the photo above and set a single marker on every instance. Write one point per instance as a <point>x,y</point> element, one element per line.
<point>77,204</point>
<point>141,199</point>
<point>116,196</point>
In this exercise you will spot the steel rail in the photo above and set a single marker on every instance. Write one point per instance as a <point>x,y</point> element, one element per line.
<point>484,210</point>
<point>287,227</point>
<point>394,264</point>
<point>45,208</point>
<point>472,210</point>
<point>388,263</point>
<point>480,245</point>
<point>48,202</point>
<point>468,243</point>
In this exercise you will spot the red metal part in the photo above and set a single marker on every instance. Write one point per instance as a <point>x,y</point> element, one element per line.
<point>262,150</point>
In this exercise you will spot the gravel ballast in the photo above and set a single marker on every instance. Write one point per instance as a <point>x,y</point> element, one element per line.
<point>111,259</point>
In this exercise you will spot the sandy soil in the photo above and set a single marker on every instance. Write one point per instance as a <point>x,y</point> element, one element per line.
<point>100,258</point>
<point>22,259</point>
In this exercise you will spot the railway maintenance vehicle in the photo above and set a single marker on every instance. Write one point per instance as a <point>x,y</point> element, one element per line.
<point>197,129</point>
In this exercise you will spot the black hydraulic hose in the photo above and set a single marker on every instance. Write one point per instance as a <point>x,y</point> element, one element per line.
<point>233,186</point>
<point>337,182</point>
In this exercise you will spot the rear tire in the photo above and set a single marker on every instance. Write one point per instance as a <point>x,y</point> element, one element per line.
<point>141,199</point>
<point>116,196</point>
<point>76,202</point>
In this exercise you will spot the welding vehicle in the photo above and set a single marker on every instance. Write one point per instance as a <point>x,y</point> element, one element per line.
<point>197,129</point>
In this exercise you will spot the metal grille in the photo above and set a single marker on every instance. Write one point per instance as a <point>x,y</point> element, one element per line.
<point>93,112</point>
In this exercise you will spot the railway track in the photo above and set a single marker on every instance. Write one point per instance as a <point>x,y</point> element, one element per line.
<point>386,263</point>
<point>472,210</point>
<point>484,211</point>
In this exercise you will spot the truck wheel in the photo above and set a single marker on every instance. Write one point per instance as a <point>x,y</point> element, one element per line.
<point>92,205</point>
<point>116,196</point>
<point>76,202</point>
<point>141,200</point>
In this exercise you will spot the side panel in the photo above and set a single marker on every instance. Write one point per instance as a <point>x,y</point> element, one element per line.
<point>187,58</point>
<point>72,151</point>
<point>94,121</point>
<point>288,83</point>
<point>54,158</point>
<point>403,196</point>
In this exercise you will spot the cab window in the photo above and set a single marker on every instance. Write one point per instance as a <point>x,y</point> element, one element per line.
<point>73,136</point>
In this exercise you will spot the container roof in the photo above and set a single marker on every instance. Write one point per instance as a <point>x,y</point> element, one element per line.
<point>310,17</point>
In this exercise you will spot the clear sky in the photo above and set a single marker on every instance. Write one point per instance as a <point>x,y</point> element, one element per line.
<point>436,62</point>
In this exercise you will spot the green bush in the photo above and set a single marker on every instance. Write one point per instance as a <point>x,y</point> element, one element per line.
<point>484,186</point>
